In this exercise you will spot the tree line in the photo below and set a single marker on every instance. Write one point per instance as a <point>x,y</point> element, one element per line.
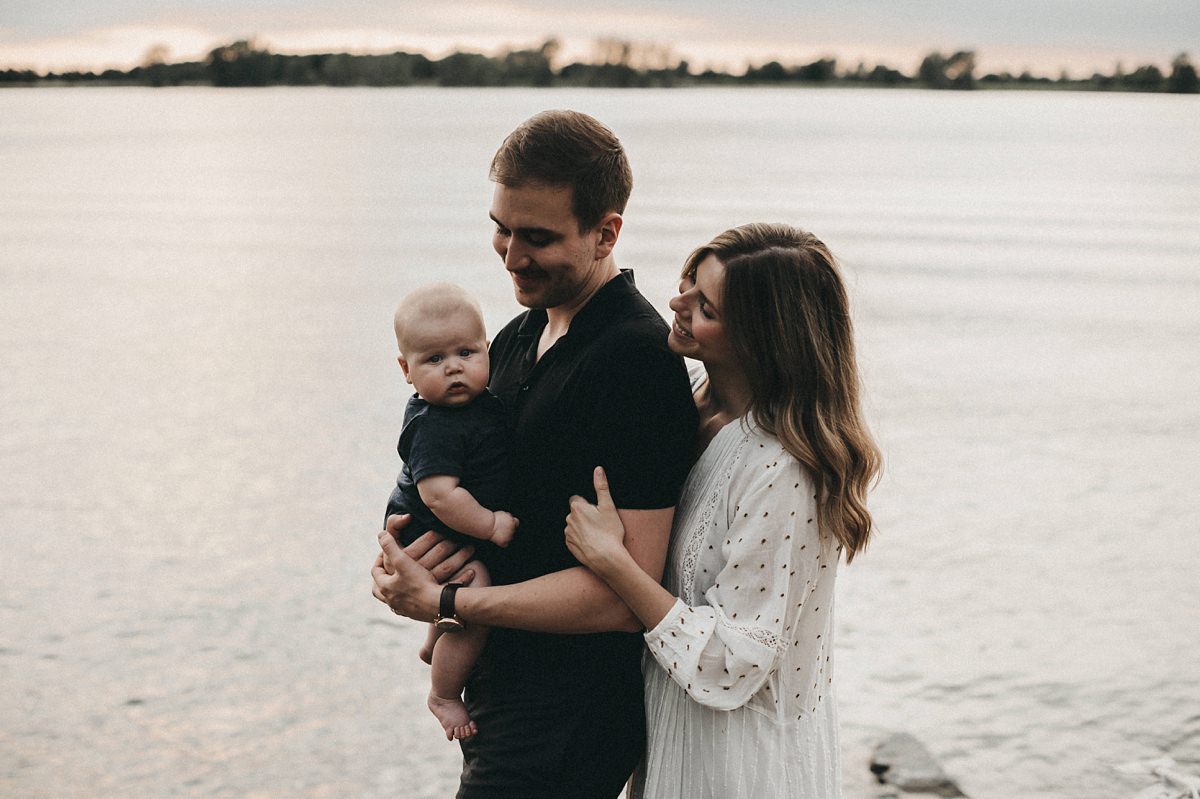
<point>616,63</point>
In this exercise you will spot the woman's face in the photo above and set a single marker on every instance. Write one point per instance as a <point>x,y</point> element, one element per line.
<point>698,330</point>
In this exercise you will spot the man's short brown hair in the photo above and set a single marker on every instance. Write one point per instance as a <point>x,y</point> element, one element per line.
<point>567,148</point>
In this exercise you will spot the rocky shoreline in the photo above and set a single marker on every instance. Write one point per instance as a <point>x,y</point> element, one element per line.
<point>905,769</point>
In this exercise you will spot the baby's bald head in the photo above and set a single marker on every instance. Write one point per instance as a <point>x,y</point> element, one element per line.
<point>441,302</point>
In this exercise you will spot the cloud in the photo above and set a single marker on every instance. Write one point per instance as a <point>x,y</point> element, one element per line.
<point>485,25</point>
<point>118,47</point>
<point>1041,34</point>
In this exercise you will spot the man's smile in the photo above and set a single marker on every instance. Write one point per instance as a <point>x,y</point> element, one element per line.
<point>526,276</point>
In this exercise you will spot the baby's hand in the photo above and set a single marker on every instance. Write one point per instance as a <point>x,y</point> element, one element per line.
<point>503,527</point>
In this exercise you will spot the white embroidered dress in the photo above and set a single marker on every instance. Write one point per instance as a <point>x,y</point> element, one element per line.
<point>739,685</point>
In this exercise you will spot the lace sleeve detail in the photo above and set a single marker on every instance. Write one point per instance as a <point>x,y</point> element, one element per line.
<point>696,535</point>
<point>723,649</point>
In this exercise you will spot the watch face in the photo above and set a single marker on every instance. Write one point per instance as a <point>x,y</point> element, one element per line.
<point>448,625</point>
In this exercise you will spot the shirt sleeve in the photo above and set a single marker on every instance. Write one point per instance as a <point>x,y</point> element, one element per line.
<point>435,446</point>
<point>642,425</point>
<point>723,651</point>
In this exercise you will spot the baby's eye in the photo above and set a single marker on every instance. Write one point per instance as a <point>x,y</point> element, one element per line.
<point>465,353</point>
<point>435,359</point>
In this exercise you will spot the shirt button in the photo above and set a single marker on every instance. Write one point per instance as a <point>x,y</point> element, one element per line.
<point>525,388</point>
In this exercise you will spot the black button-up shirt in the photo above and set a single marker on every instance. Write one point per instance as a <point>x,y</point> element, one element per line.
<point>608,393</point>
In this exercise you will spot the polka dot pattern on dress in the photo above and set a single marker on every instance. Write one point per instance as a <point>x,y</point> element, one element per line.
<point>757,606</point>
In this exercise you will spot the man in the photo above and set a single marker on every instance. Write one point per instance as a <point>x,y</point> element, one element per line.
<point>588,379</point>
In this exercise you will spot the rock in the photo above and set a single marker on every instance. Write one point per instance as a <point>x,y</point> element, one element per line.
<point>900,760</point>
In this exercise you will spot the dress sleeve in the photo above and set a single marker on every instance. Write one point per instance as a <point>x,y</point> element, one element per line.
<point>723,651</point>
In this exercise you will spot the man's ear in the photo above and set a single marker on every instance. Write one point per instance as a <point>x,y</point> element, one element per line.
<point>404,365</point>
<point>607,232</point>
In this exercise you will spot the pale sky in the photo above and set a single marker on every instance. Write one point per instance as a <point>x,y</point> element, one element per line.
<point>1042,35</point>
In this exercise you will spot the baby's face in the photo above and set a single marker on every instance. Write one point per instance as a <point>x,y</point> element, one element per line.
<point>447,360</point>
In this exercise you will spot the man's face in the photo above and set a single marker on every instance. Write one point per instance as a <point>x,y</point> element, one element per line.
<point>537,236</point>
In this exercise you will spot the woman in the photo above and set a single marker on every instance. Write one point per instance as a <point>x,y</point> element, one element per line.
<point>738,666</point>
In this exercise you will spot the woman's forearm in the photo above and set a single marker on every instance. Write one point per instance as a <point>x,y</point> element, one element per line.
<point>648,600</point>
<point>624,548</point>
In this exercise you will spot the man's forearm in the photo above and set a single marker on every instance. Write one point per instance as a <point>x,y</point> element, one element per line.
<point>573,600</point>
<point>569,601</point>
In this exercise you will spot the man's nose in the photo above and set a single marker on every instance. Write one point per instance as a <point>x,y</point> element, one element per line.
<point>514,258</point>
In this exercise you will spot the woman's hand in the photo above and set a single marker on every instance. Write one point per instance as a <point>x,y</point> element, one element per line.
<point>594,533</point>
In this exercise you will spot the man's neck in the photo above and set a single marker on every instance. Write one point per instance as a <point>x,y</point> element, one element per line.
<point>558,318</point>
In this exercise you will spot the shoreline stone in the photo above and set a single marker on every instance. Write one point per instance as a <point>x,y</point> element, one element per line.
<point>903,762</point>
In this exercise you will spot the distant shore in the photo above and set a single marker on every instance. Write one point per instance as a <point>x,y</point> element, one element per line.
<point>622,65</point>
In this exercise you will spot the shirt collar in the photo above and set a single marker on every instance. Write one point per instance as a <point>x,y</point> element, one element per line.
<point>588,320</point>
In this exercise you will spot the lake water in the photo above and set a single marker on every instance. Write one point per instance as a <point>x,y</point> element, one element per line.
<point>199,404</point>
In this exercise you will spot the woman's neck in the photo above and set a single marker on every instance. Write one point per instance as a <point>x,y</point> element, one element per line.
<point>722,398</point>
<point>728,391</point>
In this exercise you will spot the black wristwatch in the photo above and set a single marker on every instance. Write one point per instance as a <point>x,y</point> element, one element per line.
<point>447,620</point>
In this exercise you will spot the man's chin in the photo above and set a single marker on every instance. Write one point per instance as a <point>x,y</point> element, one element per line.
<point>534,300</point>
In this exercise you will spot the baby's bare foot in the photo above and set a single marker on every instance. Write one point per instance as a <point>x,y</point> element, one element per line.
<point>452,714</point>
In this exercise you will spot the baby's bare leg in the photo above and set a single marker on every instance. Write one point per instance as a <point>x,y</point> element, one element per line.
<point>425,653</point>
<point>454,656</point>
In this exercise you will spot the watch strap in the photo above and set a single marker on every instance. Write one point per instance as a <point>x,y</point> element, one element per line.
<point>446,605</point>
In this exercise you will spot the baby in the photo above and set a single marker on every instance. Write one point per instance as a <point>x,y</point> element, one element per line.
<point>454,448</point>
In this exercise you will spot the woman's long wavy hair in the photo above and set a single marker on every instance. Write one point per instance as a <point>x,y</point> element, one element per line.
<point>788,319</point>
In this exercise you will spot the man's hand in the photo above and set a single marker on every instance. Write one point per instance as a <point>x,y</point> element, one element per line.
<point>406,580</point>
<point>440,557</point>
